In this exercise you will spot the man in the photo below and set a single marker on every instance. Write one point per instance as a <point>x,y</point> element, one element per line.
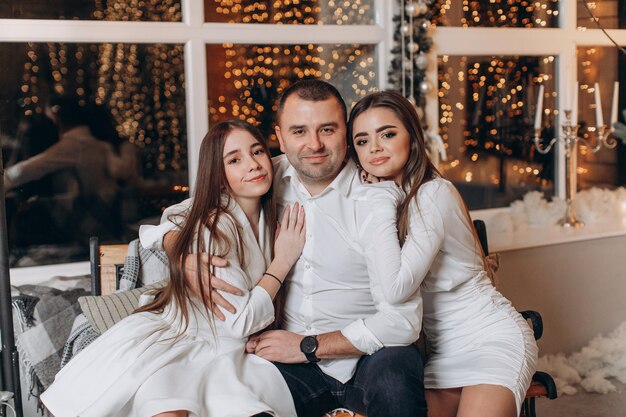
<point>339,347</point>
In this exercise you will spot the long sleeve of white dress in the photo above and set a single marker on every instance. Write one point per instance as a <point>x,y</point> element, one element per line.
<point>401,271</point>
<point>439,243</point>
<point>254,309</point>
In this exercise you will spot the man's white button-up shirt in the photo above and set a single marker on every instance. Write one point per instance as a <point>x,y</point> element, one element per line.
<point>329,288</point>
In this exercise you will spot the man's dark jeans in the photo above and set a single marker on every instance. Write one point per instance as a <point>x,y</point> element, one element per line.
<point>388,383</point>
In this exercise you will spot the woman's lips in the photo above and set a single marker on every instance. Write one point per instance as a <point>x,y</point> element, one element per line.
<point>379,161</point>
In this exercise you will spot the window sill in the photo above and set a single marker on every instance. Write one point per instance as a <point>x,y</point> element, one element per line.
<point>554,235</point>
<point>59,275</point>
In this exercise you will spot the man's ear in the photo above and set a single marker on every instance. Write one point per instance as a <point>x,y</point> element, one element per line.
<point>280,138</point>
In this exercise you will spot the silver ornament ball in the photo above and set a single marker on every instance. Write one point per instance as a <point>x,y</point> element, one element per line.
<point>424,24</point>
<point>421,61</point>
<point>405,29</point>
<point>414,47</point>
<point>424,87</point>
<point>410,8</point>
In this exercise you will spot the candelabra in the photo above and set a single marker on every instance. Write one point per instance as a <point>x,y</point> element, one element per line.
<point>570,140</point>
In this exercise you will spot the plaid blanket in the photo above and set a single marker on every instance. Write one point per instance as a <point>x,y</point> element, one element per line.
<point>46,315</point>
<point>141,267</point>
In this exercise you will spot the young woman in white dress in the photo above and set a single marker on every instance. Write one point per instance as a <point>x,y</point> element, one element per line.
<point>171,358</point>
<point>481,352</point>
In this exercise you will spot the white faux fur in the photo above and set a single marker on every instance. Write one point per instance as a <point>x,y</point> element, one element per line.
<point>592,367</point>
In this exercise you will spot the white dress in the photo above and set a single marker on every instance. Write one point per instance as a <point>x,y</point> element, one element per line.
<point>142,366</point>
<point>473,333</point>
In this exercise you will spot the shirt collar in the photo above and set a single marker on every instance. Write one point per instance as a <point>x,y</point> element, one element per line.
<point>342,182</point>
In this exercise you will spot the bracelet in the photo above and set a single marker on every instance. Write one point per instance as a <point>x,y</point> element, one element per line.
<point>273,276</point>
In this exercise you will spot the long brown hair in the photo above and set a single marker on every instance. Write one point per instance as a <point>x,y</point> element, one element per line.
<point>418,170</point>
<point>210,201</point>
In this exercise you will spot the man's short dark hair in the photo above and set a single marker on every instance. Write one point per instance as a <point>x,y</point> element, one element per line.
<point>311,90</point>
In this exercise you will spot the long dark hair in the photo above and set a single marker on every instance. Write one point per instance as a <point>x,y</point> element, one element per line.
<point>418,170</point>
<point>210,201</point>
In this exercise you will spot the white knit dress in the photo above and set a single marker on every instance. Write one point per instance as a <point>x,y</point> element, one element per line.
<point>143,366</point>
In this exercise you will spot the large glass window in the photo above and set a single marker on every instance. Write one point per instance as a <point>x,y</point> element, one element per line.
<point>153,96</point>
<point>486,116</point>
<point>245,80</point>
<point>607,167</point>
<point>115,163</point>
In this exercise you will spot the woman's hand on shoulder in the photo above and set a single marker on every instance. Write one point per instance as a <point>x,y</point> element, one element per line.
<point>291,235</point>
<point>368,178</point>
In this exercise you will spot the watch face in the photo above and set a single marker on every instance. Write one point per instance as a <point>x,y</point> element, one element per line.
<point>308,344</point>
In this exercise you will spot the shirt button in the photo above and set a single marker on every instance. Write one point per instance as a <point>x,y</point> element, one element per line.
<point>307,266</point>
<point>306,297</point>
<point>308,328</point>
<point>309,235</point>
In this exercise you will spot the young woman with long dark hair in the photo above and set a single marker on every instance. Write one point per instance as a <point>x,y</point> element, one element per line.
<point>481,353</point>
<point>171,358</point>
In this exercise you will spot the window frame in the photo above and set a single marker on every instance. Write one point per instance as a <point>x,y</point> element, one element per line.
<point>563,42</point>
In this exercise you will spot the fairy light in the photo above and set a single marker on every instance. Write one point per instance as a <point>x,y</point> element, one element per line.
<point>141,84</point>
<point>250,77</point>
<point>489,102</point>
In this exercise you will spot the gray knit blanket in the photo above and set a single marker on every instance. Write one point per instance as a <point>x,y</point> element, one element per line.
<point>43,321</point>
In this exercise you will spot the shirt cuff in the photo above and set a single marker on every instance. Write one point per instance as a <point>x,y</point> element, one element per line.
<point>263,306</point>
<point>151,237</point>
<point>361,337</point>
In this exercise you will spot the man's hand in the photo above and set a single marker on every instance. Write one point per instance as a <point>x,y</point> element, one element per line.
<point>217,285</point>
<point>277,346</point>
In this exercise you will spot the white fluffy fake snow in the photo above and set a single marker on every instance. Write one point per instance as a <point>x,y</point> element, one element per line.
<point>591,367</point>
<point>534,211</point>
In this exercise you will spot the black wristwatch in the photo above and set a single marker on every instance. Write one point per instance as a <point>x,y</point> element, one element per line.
<point>308,346</point>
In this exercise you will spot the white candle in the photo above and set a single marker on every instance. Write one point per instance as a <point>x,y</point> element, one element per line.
<point>575,105</point>
<point>614,106</point>
<point>568,95</point>
<point>539,108</point>
<point>599,118</point>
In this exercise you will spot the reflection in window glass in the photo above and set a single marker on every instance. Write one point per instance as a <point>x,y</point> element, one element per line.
<point>125,10</point>
<point>129,96</point>
<point>607,167</point>
<point>486,116</point>
<point>606,11</point>
<point>497,13</point>
<point>307,12</point>
<point>245,80</point>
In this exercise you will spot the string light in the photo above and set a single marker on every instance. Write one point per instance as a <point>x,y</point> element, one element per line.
<point>141,84</point>
<point>249,78</point>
